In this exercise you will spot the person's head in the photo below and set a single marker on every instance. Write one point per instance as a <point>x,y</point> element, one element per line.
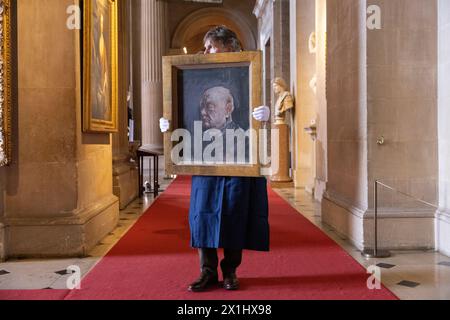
<point>221,39</point>
<point>279,85</point>
<point>216,107</point>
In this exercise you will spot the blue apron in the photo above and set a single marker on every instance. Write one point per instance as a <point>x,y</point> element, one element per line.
<point>230,213</point>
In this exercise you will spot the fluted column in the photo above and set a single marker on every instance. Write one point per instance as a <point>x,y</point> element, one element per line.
<point>153,47</point>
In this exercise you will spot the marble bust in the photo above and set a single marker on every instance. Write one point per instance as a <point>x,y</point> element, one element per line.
<point>284,102</point>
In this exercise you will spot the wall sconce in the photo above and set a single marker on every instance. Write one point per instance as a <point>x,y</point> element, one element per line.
<point>185,50</point>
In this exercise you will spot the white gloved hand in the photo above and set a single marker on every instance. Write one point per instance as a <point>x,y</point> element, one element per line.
<point>164,125</point>
<point>262,114</point>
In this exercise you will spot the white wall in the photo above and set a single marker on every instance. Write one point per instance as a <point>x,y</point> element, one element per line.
<point>443,216</point>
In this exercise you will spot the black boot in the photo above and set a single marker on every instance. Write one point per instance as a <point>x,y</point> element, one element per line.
<point>209,262</point>
<point>205,281</point>
<point>230,282</point>
<point>229,265</point>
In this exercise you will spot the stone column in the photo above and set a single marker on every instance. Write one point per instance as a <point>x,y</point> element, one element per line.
<point>154,45</point>
<point>125,173</point>
<point>264,13</point>
<point>280,42</point>
<point>273,39</point>
<point>58,198</point>
<point>303,69</point>
<point>321,147</point>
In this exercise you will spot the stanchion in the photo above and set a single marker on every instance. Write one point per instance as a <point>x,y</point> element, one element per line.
<point>375,253</point>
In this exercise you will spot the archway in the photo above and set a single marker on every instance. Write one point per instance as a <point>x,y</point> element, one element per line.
<point>191,30</point>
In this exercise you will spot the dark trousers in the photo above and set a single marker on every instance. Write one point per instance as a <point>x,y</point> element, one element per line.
<point>209,260</point>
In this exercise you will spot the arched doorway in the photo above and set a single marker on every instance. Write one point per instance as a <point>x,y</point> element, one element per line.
<point>189,33</point>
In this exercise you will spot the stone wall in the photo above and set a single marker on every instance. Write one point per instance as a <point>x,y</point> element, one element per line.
<point>347,101</point>
<point>402,59</point>
<point>402,102</point>
<point>443,217</point>
<point>345,200</point>
<point>58,199</point>
<point>394,97</point>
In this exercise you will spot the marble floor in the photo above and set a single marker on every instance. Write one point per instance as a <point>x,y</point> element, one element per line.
<point>29,274</point>
<point>409,274</point>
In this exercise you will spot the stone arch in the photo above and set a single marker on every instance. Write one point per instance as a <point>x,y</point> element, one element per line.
<point>191,30</point>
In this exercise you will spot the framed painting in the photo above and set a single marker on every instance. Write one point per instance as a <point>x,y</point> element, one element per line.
<point>5,82</point>
<point>209,100</point>
<point>100,54</point>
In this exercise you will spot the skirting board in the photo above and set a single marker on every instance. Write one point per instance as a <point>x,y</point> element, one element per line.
<point>397,230</point>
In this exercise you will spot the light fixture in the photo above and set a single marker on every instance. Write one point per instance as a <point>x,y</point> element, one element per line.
<point>185,50</point>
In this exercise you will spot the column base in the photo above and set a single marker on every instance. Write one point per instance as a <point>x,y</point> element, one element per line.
<point>125,183</point>
<point>72,236</point>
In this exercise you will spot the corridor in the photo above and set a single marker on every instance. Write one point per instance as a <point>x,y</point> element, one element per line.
<point>410,275</point>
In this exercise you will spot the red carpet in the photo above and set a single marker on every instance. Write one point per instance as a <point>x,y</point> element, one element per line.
<point>154,261</point>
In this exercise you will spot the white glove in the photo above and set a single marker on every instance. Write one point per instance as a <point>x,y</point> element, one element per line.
<point>262,114</point>
<point>164,125</point>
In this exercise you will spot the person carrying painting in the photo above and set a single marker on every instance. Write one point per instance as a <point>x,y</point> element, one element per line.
<point>226,212</point>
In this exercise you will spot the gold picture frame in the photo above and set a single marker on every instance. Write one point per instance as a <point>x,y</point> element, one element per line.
<point>100,59</point>
<point>5,83</point>
<point>188,79</point>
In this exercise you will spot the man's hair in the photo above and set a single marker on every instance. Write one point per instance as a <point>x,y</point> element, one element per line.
<point>224,35</point>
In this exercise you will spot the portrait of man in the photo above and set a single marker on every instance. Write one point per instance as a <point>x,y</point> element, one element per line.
<point>218,97</point>
<point>216,109</point>
<point>217,100</point>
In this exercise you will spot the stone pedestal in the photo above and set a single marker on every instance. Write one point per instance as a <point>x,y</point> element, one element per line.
<point>280,149</point>
<point>125,181</point>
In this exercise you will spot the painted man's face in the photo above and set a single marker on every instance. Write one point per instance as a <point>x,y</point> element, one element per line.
<point>215,110</point>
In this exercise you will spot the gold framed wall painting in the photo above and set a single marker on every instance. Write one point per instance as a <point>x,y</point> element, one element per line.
<point>5,83</point>
<point>100,58</point>
<point>209,100</point>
